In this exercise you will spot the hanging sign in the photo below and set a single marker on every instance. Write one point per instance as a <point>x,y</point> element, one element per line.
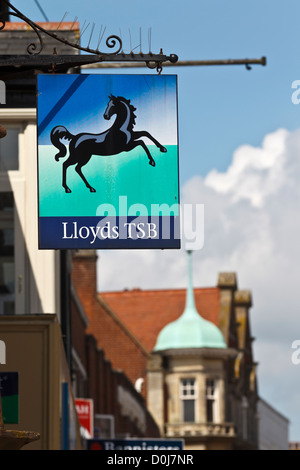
<point>108,161</point>
<point>135,444</point>
<point>85,412</point>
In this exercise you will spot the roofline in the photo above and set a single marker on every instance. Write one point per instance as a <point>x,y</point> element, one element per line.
<point>48,25</point>
<point>222,353</point>
<point>138,290</point>
<point>272,408</point>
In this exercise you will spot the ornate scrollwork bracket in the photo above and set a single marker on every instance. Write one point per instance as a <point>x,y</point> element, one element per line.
<point>112,42</point>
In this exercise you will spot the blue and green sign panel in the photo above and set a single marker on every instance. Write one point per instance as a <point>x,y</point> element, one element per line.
<point>9,389</point>
<point>108,161</point>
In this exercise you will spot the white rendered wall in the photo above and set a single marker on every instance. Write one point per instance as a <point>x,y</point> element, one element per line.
<point>36,271</point>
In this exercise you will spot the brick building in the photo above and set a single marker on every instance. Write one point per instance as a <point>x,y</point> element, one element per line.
<point>127,326</point>
<point>124,350</point>
<point>119,410</point>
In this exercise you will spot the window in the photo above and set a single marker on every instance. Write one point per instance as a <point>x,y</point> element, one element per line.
<point>188,399</point>
<point>9,150</point>
<point>212,411</point>
<point>7,265</point>
<point>104,426</point>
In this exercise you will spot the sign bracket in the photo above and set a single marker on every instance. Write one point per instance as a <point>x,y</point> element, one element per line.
<point>35,62</point>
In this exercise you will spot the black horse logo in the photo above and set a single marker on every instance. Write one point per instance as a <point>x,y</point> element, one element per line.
<point>120,137</point>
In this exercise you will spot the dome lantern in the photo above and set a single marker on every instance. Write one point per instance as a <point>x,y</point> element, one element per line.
<point>190,330</point>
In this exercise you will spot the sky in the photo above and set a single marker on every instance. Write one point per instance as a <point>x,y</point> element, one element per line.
<point>239,147</point>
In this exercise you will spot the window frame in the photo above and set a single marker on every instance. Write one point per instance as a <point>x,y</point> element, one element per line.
<point>191,395</point>
<point>214,398</point>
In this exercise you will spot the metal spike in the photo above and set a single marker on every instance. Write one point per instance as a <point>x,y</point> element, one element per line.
<point>84,30</point>
<point>140,40</point>
<point>62,20</point>
<point>130,40</point>
<point>101,34</point>
<point>149,39</point>
<point>91,35</point>
<point>41,10</point>
<point>80,32</point>
<point>121,38</point>
<point>75,19</point>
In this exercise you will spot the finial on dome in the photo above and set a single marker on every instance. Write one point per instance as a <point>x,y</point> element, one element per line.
<point>190,305</point>
<point>190,330</point>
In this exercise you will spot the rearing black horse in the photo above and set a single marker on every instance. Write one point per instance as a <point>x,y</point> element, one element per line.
<point>120,137</point>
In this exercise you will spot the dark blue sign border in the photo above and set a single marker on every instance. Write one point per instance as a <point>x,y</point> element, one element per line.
<point>138,232</point>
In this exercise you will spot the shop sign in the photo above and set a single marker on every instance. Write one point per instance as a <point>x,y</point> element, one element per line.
<point>108,161</point>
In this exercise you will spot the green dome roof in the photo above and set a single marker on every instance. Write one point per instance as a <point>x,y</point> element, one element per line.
<point>190,330</point>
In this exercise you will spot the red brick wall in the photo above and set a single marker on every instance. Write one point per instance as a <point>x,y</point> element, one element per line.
<point>118,344</point>
<point>102,381</point>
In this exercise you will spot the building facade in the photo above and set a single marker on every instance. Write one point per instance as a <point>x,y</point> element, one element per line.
<point>31,288</point>
<point>64,341</point>
<point>44,333</point>
<point>201,386</point>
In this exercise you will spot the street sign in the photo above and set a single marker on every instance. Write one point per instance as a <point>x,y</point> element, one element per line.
<point>135,444</point>
<point>85,412</point>
<point>108,161</point>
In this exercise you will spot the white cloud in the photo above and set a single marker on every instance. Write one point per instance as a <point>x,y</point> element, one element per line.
<point>255,173</point>
<point>252,226</point>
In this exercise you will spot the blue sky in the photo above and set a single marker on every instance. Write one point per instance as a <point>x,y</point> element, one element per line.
<point>239,147</point>
<point>240,106</point>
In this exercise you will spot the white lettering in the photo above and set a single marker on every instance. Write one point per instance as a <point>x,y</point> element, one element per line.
<point>92,232</point>
<point>295,355</point>
<point>295,95</point>
<point>152,228</point>
<point>118,460</point>
<point>129,228</point>
<point>169,460</point>
<point>95,233</point>
<point>102,230</point>
<point>115,231</point>
<point>106,210</point>
<point>109,445</point>
<point>82,230</point>
<point>194,239</point>
<point>141,230</point>
<point>65,230</point>
<point>82,409</point>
